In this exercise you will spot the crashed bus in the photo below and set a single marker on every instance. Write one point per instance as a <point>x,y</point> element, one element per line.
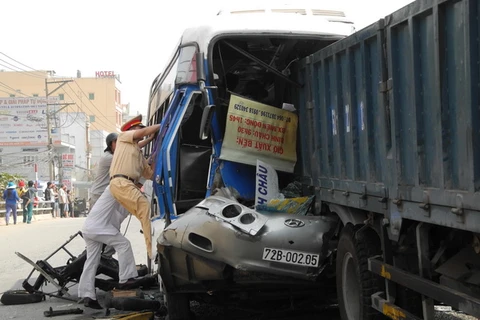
<point>296,162</point>
<point>241,54</point>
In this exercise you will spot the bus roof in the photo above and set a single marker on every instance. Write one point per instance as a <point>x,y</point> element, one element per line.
<point>281,24</point>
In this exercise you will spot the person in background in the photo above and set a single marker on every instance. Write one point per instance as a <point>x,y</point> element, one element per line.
<point>21,190</point>
<point>54,198</point>
<point>30,196</point>
<point>47,195</point>
<point>70,203</point>
<point>128,166</point>
<point>62,201</point>
<point>11,198</point>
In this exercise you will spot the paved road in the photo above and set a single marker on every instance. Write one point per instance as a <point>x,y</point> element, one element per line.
<point>41,238</point>
<point>37,241</point>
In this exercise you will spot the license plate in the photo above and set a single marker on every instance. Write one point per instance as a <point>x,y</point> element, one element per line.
<point>291,257</point>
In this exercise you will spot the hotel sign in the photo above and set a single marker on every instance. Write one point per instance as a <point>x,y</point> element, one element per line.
<point>107,74</point>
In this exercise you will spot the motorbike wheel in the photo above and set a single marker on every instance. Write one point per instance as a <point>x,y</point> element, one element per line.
<point>13,297</point>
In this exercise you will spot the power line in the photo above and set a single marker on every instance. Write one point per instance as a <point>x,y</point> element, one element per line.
<point>87,97</point>
<point>81,100</point>
<point>28,72</point>
<point>12,89</point>
<point>17,61</point>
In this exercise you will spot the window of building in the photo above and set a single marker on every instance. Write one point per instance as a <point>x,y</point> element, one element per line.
<point>61,96</point>
<point>91,96</point>
<point>12,95</point>
<point>29,161</point>
<point>92,118</point>
<point>35,94</point>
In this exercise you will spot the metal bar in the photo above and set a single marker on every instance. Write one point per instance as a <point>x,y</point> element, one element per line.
<point>69,253</point>
<point>390,286</point>
<point>449,296</point>
<point>263,64</point>
<point>424,266</point>
<point>64,82</point>
<point>389,309</point>
<point>61,247</point>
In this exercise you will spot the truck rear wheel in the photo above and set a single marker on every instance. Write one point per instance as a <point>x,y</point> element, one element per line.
<point>178,306</point>
<point>355,283</point>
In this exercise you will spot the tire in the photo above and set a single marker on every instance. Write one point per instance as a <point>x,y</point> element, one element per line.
<point>178,306</point>
<point>131,303</point>
<point>355,283</point>
<point>13,297</point>
<point>142,270</point>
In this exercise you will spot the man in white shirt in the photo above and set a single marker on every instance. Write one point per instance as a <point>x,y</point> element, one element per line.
<point>62,201</point>
<point>102,174</point>
<point>103,226</point>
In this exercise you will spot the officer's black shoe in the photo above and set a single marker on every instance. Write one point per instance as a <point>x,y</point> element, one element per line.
<point>90,303</point>
<point>130,284</point>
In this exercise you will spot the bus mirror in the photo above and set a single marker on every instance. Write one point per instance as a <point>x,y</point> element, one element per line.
<point>206,120</point>
<point>200,69</point>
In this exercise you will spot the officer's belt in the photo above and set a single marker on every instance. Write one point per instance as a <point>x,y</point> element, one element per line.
<point>122,176</point>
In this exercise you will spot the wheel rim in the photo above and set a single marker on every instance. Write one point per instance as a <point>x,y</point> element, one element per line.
<point>351,294</point>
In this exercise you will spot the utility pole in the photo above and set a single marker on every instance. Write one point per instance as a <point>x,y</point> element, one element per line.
<point>89,148</point>
<point>51,166</point>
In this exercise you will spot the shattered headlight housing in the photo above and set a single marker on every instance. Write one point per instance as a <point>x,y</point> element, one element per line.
<point>232,212</point>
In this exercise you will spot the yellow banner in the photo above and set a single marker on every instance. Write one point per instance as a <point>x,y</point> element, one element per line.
<point>258,131</point>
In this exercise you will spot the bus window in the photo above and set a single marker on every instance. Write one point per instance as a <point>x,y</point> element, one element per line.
<point>161,90</point>
<point>187,66</point>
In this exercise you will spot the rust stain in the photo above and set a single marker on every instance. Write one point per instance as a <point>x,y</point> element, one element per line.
<point>392,312</point>
<point>384,273</point>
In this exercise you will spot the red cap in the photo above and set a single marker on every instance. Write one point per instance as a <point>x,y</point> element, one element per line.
<point>21,184</point>
<point>137,121</point>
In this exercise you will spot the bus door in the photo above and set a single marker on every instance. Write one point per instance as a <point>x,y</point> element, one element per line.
<point>179,157</point>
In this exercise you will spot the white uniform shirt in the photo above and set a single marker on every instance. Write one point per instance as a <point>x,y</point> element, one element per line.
<point>102,174</point>
<point>106,216</point>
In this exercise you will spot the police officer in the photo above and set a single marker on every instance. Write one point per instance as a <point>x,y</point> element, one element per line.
<point>128,166</point>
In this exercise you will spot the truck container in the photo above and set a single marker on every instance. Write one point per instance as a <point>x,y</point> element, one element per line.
<point>391,133</point>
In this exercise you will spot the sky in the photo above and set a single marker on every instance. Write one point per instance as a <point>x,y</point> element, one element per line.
<point>132,38</point>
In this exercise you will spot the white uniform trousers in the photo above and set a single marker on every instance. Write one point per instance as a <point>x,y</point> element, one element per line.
<point>126,261</point>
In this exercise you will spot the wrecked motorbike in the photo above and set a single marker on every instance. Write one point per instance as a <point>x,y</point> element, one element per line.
<point>63,276</point>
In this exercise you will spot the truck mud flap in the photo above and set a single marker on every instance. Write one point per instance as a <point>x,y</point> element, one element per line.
<point>449,296</point>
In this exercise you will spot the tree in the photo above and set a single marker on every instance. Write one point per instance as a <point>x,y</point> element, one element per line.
<point>7,177</point>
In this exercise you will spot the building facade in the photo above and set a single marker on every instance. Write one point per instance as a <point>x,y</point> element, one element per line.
<point>60,138</point>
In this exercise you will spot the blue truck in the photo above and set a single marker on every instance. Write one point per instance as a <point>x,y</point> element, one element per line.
<point>387,144</point>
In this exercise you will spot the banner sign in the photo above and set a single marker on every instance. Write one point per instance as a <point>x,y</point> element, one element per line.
<point>259,131</point>
<point>68,160</point>
<point>266,184</point>
<point>23,122</point>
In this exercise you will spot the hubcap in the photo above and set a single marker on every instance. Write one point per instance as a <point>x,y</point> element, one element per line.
<point>350,287</point>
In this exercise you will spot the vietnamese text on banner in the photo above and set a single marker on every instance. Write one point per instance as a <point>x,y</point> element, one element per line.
<point>259,131</point>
